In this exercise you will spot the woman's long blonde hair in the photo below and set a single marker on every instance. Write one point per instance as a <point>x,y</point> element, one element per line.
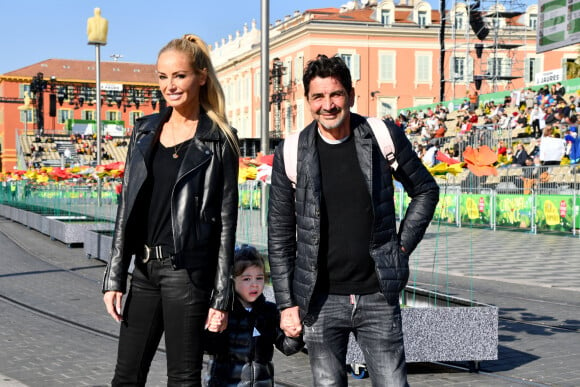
<point>211,95</point>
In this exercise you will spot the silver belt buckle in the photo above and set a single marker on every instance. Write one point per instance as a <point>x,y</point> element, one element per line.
<point>146,253</point>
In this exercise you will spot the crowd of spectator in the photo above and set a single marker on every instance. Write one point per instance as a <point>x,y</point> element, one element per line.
<point>528,124</point>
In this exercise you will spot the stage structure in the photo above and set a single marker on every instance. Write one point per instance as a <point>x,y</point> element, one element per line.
<point>482,43</point>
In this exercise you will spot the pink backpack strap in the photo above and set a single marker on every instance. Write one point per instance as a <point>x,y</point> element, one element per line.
<point>384,139</point>
<point>290,150</point>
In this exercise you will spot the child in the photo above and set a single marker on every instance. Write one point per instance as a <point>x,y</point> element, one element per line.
<point>242,354</point>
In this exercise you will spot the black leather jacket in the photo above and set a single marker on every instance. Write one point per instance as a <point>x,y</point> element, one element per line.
<point>294,214</point>
<point>204,205</point>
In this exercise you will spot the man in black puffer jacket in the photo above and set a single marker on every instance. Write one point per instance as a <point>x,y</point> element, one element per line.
<point>336,259</point>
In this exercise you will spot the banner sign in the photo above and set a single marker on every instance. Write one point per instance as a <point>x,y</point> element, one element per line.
<point>549,77</point>
<point>558,24</point>
<point>554,212</point>
<point>111,86</point>
<point>514,211</point>
<point>475,209</point>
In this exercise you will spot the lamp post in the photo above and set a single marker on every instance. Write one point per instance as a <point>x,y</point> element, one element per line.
<point>265,90</point>
<point>97,28</point>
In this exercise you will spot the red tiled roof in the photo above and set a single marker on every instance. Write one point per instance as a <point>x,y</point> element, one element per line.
<point>365,15</point>
<point>84,71</point>
<point>362,15</point>
<point>323,10</point>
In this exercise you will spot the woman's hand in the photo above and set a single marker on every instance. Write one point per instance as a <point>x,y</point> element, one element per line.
<point>217,320</point>
<point>114,304</point>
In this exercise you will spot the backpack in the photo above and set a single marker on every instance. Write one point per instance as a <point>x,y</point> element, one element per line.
<point>380,130</point>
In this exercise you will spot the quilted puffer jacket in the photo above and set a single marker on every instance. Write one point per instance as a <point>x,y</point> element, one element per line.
<point>294,214</point>
<point>242,354</point>
<point>204,208</point>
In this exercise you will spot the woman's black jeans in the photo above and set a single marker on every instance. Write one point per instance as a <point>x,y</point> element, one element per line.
<point>163,300</point>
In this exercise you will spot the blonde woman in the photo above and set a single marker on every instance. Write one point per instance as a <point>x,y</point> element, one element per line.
<point>177,214</point>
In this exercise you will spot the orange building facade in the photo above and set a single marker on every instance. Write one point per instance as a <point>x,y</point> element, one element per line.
<point>394,53</point>
<point>68,93</point>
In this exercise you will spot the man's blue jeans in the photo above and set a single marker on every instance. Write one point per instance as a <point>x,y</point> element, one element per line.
<point>377,327</point>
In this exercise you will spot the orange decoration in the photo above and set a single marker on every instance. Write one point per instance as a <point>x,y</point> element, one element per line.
<point>480,161</point>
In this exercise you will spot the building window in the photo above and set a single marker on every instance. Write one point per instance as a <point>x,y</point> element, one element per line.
<point>530,69</point>
<point>533,21</point>
<point>353,63</point>
<point>386,106</point>
<point>244,127</point>
<point>288,123</point>
<point>494,67</point>
<point>113,115</point>
<point>299,114</point>
<point>133,116</point>
<point>422,18</point>
<point>258,120</point>
<point>64,115</point>
<point>387,67</point>
<point>238,92</point>
<point>27,116</point>
<point>24,88</point>
<point>347,58</point>
<point>458,69</point>
<point>423,68</point>
<point>258,83</point>
<point>298,69</point>
<point>88,115</point>
<point>287,75</point>
<point>497,67</point>
<point>459,21</point>
<point>386,17</point>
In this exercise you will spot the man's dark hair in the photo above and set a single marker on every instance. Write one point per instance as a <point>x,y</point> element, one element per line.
<point>325,67</point>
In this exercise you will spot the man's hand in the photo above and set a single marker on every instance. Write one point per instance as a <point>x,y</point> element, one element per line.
<point>290,322</point>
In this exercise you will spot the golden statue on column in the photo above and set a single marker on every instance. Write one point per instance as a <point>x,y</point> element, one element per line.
<point>97,28</point>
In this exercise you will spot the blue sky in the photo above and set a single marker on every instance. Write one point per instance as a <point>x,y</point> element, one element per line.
<point>34,30</point>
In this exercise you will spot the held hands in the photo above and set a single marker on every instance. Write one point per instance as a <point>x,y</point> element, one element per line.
<point>217,320</point>
<point>290,322</point>
<point>114,304</point>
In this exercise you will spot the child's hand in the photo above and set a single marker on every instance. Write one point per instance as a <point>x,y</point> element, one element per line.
<point>217,320</point>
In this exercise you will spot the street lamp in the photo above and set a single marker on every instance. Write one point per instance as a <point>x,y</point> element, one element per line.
<point>97,28</point>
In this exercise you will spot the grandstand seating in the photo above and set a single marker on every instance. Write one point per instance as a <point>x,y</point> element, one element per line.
<point>54,147</point>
